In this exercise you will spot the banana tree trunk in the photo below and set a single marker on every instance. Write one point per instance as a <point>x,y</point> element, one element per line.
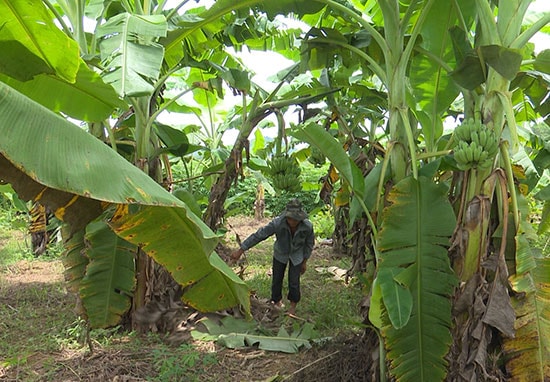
<point>232,167</point>
<point>153,282</point>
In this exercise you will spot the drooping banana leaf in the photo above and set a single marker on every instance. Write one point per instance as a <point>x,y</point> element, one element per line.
<point>61,156</point>
<point>74,260</point>
<point>415,231</point>
<point>170,236</point>
<point>332,149</point>
<point>528,353</point>
<point>39,60</point>
<point>88,89</point>
<point>51,160</point>
<point>107,287</point>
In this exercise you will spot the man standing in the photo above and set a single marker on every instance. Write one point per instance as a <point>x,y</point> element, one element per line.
<point>294,239</point>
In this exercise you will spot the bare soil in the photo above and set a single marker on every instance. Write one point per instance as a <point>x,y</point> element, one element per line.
<point>129,357</point>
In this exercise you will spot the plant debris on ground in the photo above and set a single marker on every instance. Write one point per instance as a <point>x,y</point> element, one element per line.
<point>42,339</point>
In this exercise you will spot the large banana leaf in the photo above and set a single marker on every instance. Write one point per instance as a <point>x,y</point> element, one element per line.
<point>39,60</point>
<point>529,350</point>
<point>48,159</point>
<point>88,89</point>
<point>195,29</point>
<point>74,259</point>
<point>171,237</point>
<point>131,55</point>
<point>332,149</point>
<point>32,44</point>
<point>107,288</point>
<point>415,232</point>
<point>234,333</point>
<point>434,90</point>
<point>61,156</point>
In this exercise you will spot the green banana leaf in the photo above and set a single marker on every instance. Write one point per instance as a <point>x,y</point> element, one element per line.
<point>49,159</point>
<point>432,86</point>
<point>529,351</point>
<point>39,60</point>
<point>88,89</point>
<point>73,259</point>
<point>415,231</point>
<point>40,47</point>
<point>332,149</point>
<point>234,333</point>
<point>62,156</point>
<point>132,65</point>
<point>107,288</point>
<point>172,237</point>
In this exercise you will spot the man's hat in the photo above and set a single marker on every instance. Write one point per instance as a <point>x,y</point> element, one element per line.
<point>295,211</point>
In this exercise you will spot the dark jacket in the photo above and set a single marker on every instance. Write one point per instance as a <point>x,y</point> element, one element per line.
<point>286,247</point>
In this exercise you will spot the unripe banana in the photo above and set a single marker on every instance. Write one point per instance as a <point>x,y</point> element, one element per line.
<point>476,151</point>
<point>469,154</point>
<point>460,156</point>
<point>484,156</point>
<point>483,137</point>
<point>470,127</point>
<point>474,137</point>
<point>492,145</point>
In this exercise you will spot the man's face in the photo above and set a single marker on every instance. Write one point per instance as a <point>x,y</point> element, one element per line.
<point>293,223</point>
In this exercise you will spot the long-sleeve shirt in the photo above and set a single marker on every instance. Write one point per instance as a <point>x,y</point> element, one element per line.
<point>295,248</point>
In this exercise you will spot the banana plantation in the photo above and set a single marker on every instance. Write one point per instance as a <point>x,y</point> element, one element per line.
<point>431,119</point>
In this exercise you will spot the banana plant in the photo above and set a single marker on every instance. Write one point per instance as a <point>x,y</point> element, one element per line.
<point>391,304</point>
<point>91,184</point>
<point>128,53</point>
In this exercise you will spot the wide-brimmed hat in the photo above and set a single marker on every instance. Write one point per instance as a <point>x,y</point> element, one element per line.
<point>295,211</point>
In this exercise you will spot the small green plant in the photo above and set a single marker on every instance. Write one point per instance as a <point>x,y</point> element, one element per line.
<point>75,334</point>
<point>181,364</point>
<point>323,224</point>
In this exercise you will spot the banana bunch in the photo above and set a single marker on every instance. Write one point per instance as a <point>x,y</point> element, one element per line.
<point>317,158</point>
<point>477,145</point>
<point>285,173</point>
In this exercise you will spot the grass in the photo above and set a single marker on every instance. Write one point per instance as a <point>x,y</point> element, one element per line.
<point>42,339</point>
<point>332,305</point>
<point>14,246</point>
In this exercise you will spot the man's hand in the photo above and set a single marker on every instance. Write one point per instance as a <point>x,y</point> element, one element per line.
<point>236,255</point>
<point>304,267</point>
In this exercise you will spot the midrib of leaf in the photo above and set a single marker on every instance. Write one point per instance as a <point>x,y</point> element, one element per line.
<point>419,278</point>
<point>439,75</point>
<point>124,46</point>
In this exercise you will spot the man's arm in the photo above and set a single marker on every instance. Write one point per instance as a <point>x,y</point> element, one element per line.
<point>258,236</point>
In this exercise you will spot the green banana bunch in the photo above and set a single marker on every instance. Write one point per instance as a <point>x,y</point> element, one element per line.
<point>476,145</point>
<point>285,173</point>
<point>316,158</point>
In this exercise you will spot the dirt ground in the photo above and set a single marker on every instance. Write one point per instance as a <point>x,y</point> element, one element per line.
<point>341,359</point>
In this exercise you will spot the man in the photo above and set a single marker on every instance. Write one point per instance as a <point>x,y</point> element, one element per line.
<point>293,245</point>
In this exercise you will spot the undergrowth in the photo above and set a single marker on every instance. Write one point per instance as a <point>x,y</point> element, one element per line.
<point>41,337</point>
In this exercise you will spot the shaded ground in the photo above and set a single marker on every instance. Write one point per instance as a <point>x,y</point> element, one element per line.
<point>41,339</point>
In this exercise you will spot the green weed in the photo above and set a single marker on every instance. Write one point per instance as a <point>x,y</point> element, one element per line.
<point>332,305</point>
<point>14,246</point>
<point>181,364</point>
